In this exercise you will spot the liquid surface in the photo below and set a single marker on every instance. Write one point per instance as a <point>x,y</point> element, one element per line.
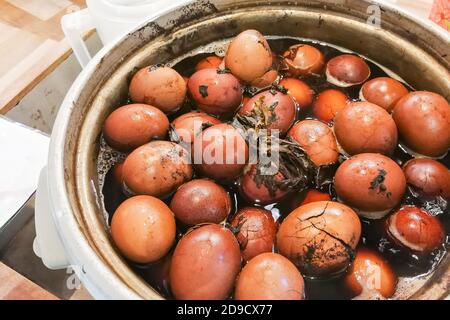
<point>405,264</point>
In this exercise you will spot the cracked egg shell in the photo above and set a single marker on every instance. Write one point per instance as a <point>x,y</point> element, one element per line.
<point>299,91</point>
<point>269,276</point>
<point>329,103</point>
<point>222,152</point>
<point>257,192</point>
<point>364,127</point>
<point>189,125</point>
<point>157,169</point>
<point>249,56</point>
<point>428,177</point>
<point>205,264</point>
<point>265,80</point>
<point>256,231</point>
<point>133,125</point>
<point>161,87</point>
<point>201,201</point>
<point>317,139</point>
<point>215,92</point>
<point>383,91</point>
<point>370,276</point>
<point>415,229</point>
<point>423,122</point>
<point>371,183</point>
<point>209,62</point>
<point>143,228</point>
<point>273,110</point>
<point>319,237</point>
<point>347,70</point>
<point>303,60</point>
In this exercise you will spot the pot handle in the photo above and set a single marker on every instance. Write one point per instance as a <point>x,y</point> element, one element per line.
<point>74,25</point>
<point>47,245</point>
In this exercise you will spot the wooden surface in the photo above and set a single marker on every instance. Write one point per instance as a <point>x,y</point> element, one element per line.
<point>13,286</point>
<point>32,44</point>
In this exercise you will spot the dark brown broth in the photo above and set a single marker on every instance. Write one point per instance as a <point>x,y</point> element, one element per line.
<point>373,234</point>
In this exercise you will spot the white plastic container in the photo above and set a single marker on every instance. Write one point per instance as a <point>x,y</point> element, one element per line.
<point>111,19</point>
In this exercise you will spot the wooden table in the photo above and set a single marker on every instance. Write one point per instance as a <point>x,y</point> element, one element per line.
<point>32,44</point>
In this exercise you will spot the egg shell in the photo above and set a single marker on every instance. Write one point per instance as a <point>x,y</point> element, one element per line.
<point>383,91</point>
<point>370,276</point>
<point>259,193</point>
<point>415,229</point>
<point>257,231</point>
<point>370,182</point>
<point>143,228</point>
<point>347,70</point>
<point>303,60</point>
<point>299,91</point>
<point>423,122</point>
<point>317,139</point>
<point>161,87</point>
<point>205,264</point>
<point>157,168</point>
<point>201,201</point>
<point>191,124</point>
<point>277,109</point>
<point>328,104</point>
<point>249,56</point>
<point>220,152</point>
<point>363,127</point>
<point>270,276</point>
<point>215,92</point>
<point>428,177</point>
<point>133,125</point>
<point>319,237</point>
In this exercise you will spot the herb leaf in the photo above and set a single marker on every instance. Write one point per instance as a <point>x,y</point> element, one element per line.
<point>203,89</point>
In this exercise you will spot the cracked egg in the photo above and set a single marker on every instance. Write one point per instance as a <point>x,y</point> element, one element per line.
<point>320,238</point>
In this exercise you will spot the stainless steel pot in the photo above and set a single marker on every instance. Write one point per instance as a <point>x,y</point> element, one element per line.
<point>416,50</point>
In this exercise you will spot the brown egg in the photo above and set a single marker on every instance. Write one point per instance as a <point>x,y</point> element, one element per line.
<point>209,62</point>
<point>423,122</point>
<point>215,92</point>
<point>370,276</point>
<point>428,177</point>
<point>328,104</point>
<point>364,127</point>
<point>220,152</point>
<point>161,87</point>
<point>269,276</point>
<point>317,139</point>
<point>415,229</point>
<point>157,168</point>
<point>319,237</point>
<point>254,190</point>
<point>256,230</point>
<point>266,80</point>
<point>272,110</point>
<point>143,228</point>
<point>249,56</point>
<point>303,60</point>
<point>383,91</point>
<point>314,196</point>
<point>299,91</point>
<point>347,70</point>
<point>201,201</point>
<point>205,264</point>
<point>189,125</point>
<point>371,183</point>
<point>133,125</point>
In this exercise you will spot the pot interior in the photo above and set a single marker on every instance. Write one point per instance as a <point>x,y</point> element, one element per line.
<point>419,56</point>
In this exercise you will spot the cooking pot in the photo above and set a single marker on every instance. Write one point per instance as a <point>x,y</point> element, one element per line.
<point>71,227</point>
